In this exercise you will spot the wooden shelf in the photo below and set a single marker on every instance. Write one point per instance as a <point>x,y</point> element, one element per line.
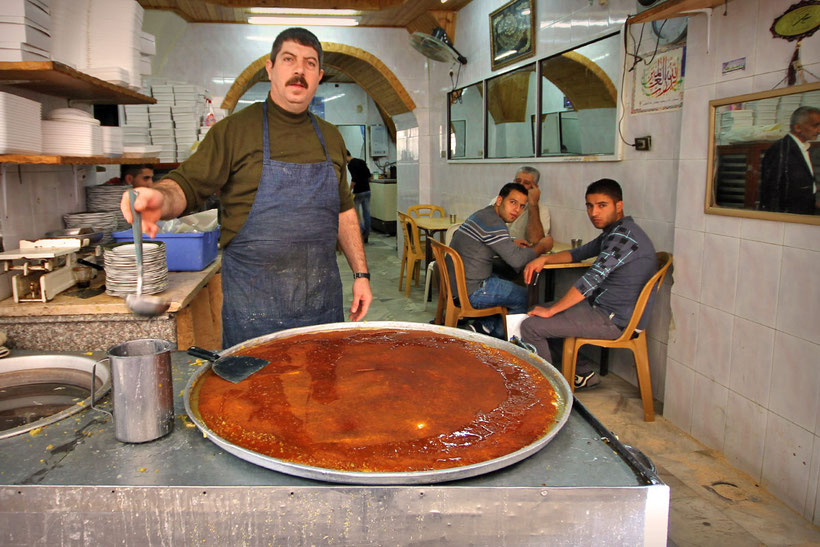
<point>54,78</point>
<point>671,9</point>
<point>72,160</point>
<point>166,166</point>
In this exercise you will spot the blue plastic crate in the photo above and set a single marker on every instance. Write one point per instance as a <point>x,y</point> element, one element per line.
<point>188,252</point>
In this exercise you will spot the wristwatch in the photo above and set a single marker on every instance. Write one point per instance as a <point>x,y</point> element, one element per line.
<point>357,275</point>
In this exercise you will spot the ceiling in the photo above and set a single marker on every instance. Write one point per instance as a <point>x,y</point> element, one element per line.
<point>414,15</point>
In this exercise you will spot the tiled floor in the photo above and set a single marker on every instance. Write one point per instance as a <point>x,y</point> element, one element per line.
<point>712,502</point>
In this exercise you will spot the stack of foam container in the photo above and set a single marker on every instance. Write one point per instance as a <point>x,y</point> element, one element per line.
<point>20,130</point>
<point>25,33</point>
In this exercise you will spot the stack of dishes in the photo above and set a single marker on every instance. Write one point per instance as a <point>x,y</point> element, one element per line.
<point>99,222</point>
<point>72,132</point>
<point>121,269</point>
<point>112,140</point>
<point>106,198</point>
<point>20,131</point>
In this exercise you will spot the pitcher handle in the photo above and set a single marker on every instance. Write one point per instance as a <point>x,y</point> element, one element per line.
<point>94,386</point>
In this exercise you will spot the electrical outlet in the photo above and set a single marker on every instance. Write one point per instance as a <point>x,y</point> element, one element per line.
<point>643,143</point>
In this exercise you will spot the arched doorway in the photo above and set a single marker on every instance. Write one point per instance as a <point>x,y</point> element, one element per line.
<point>363,68</point>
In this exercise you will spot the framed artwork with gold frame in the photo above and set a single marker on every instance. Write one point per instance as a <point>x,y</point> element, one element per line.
<point>512,33</point>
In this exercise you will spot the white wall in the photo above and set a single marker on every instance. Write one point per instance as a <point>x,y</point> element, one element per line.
<point>743,370</point>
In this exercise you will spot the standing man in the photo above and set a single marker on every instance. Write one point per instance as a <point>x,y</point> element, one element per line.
<point>534,223</point>
<point>283,188</point>
<point>484,236</point>
<point>360,176</point>
<point>788,182</point>
<point>601,302</point>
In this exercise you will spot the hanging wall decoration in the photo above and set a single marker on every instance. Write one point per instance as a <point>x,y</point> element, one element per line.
<point>659,84</point>
<point>512,33</point>
<point>800,21</point>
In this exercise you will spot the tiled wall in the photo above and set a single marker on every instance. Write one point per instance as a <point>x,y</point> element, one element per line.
<point>743,364</point>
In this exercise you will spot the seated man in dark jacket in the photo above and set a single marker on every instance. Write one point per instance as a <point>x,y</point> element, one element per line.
<point>484,236</point>
<point>601,302</point>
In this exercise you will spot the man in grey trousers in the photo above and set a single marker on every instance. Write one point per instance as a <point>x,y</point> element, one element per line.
<point>601,302</point>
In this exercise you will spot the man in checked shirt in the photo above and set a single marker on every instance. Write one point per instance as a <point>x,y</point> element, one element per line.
<point>600,303</point>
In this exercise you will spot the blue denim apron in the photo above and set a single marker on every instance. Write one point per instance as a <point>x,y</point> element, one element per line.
<point>280,270</point>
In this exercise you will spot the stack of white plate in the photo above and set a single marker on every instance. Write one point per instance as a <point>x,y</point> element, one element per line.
<point>115,32</point>
<point>121,269</point>
<point>141,151</point>
<point>106,198</point>
<point>25,33</point>
<point>20,131</point>
<point>112,137</point>
<point>72,138</point>
<point>105,222</point>
<point>112,74</point>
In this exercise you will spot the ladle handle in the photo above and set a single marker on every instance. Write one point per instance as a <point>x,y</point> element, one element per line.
<point>136,228</point>
<point>201,353</point>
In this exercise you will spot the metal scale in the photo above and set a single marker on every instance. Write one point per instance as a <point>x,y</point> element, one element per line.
<point>47,267</point>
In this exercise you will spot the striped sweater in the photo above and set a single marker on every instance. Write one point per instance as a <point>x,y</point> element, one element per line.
<point>481,238</point>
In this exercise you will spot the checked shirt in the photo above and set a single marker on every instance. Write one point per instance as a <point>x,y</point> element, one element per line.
<point>626,260</point>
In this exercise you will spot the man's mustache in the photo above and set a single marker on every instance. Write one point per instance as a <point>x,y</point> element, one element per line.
<point>297,80</point>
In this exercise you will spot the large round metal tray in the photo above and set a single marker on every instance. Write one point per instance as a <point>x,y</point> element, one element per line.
<point>559,384</point>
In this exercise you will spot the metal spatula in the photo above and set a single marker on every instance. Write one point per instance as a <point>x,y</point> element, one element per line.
<point>233,368</point>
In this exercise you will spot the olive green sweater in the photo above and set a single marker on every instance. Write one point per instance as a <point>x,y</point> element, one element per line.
<point>229,160</point>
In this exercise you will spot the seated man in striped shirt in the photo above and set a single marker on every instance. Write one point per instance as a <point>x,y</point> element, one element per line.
<point>485,236</point>
<point>601,302</point>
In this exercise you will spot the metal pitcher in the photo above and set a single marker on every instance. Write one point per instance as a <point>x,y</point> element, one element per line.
<point>142,390</point>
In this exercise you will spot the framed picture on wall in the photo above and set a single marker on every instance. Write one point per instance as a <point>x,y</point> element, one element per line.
<point>512,33</point>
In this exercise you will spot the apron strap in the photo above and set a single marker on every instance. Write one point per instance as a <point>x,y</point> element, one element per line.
<point>321,137</point>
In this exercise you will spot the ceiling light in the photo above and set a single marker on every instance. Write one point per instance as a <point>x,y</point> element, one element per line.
<point>303,21</point>
<point>306,11</point>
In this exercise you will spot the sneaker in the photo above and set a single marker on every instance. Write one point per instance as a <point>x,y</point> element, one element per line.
<point>586,381</point>
<point>522,344</point>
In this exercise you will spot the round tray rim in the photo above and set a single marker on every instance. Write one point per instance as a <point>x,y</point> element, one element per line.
<point>559,384</point>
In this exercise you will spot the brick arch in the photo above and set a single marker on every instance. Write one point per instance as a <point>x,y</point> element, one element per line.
<point>581,80</point>
<point>372,75</point>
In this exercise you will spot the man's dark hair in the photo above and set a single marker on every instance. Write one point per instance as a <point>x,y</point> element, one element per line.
<point>510,186</point>
<point>133,169</point>
<point>300,36</point>
<point>608,187</point>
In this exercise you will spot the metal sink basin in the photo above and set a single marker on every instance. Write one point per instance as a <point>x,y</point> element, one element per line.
<point>37,390</point>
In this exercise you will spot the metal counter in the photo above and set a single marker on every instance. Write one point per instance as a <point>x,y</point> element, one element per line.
<point>73,483</point>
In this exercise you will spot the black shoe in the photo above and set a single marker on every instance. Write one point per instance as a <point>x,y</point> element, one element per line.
<point>586,381</point>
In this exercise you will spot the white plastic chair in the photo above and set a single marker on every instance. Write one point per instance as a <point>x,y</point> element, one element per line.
<point>431,267</point>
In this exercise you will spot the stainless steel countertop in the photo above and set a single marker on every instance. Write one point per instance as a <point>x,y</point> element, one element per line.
<point>82,451</point>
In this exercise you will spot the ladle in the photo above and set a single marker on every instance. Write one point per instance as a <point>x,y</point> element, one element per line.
<point>148,306</point>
